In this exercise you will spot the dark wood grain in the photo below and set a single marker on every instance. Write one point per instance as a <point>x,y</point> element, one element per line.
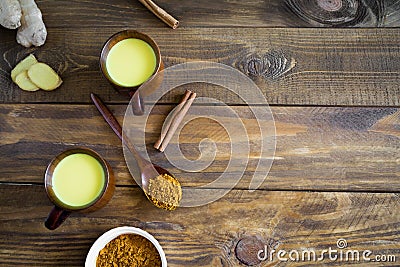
<point>202,236</point>
<point>208,13</point>
<point>340,67</point>
<point>317,148</point>
<point>339,13</point>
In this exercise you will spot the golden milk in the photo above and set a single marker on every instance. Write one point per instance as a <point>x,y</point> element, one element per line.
<point>78,179</point>
<point>131,62</point>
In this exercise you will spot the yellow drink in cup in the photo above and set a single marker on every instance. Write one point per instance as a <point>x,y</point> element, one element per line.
<point>128,59</point>
<point>78,180</point>
<point>131,62</point>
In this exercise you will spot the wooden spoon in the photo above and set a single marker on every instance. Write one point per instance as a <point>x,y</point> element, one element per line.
<point>148,170</point>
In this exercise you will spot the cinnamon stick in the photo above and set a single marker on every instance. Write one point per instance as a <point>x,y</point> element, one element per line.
<point>160,13</point>
<point>170,118</point>
<point>176,120</point>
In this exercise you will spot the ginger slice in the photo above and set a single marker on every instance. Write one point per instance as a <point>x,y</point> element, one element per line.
<point>44,76</point>
<point>23,65</point>
<point>23,81</point>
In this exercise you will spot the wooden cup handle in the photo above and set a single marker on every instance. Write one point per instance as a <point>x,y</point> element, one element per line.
<point>56,217</point>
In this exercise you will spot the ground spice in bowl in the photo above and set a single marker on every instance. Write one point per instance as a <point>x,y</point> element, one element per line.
<point>129,250</point>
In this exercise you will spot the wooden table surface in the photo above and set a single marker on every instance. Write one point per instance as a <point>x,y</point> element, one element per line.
<point>334,91</point>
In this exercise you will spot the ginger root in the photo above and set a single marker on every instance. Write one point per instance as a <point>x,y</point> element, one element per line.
<point>32,30</point>
<point>10,14</point>
<point>26,16</point>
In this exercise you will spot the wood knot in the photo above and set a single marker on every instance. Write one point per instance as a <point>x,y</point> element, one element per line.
<point>337,13</point>
<point>247,249</point>
<point>272,65</point>
<point>330,5</point>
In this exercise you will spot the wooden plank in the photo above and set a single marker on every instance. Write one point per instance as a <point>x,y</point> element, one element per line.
<point>328,148</point>
<point>207,13</point>
<point>207,235</point>
<point>340,67</point>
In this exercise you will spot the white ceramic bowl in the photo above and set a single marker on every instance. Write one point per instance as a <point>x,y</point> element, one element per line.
<point>100,243</point>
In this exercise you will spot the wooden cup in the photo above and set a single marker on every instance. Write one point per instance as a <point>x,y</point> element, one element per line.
<point>61,210</point>
<point>114,39</point>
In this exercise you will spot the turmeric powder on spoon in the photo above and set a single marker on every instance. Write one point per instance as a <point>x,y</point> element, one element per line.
<point>165,192</point>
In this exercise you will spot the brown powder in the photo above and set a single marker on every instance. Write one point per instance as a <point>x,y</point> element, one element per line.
<point>165,192</point>
<point>129,250</point>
